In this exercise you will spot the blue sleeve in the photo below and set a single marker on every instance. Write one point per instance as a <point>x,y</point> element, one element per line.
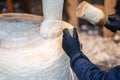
<point>86,70</point>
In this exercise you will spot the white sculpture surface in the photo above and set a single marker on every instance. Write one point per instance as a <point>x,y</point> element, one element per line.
<point>25,55</point>
<point>30,52</point>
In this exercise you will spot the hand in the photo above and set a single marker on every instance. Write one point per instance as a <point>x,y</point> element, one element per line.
<point>70,44</point>
<point>114,23</point>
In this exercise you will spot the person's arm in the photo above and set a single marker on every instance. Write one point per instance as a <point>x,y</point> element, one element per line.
<point>81,65</point>
<point>86,70</point>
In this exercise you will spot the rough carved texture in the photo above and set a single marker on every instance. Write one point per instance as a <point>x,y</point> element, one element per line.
<point>35,59</point>
<point>53,28</point>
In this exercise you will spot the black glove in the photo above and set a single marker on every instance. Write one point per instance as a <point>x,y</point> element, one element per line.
<point>70,44</point>
<point>114,23</point>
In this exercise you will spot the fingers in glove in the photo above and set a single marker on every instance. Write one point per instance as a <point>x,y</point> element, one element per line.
<point>66,33</point>
<point>111,26</point>
<point>113,18</point>
<point>75,34</point>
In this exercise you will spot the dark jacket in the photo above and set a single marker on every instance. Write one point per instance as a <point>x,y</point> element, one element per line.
<point>86,70</point>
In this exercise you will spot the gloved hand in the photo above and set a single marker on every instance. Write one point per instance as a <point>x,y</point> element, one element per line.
<point>114,23</point>
<point>70,44</point>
